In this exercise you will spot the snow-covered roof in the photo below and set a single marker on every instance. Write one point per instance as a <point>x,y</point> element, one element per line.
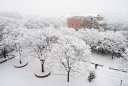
<point>80,15</point>
<point>77,17</point>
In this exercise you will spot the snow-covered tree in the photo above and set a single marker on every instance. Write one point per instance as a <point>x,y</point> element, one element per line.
<point>20,45</point>
<point>115,26</point>
<point>116,22</point>
<point>102,25</point>
<point>14,37</point>
<point>90,22</point>
<point>122,63</point>
<point>125,34</point>
<point>13,15</point>
<point>39,22</point>
<point>12,34</point>
<point>90,36</point>
<point>40,42</point>
<point>111,42</point>
<point>69,31</point>
<point>8,21</point>
<point>71,54</point>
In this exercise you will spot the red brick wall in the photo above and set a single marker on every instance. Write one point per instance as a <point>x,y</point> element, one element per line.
<point>74,23</point>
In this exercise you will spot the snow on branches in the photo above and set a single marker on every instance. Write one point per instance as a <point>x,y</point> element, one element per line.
<point>40,41</point>
<point>122,63</point>
<point>15,37</point>
<point>35,22</point>
<point>90,22</point>
<point>105,42</point>
<point>72,55</point>
<point>90,36</point>
<point>113,43</point>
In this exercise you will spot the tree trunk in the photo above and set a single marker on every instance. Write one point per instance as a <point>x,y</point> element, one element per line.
<point>42,65</point>
<point>68,77</point>
<point>112,55</point>
<point>4,54</point>
<point>20,62</point>
<point>42,68</point>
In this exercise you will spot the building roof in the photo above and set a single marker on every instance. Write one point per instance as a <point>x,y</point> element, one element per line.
<point>76,17</point>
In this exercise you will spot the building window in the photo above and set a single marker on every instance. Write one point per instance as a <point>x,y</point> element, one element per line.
<point>76,25</point>
<point>72,25</point>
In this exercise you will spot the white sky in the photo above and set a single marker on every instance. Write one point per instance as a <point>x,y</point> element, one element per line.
<point>51,7</point>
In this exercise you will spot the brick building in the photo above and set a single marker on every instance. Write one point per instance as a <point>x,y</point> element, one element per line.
<point>75,22</point>
<point>100,18</point>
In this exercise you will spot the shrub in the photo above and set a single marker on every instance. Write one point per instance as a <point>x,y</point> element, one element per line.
<point>92,75</point>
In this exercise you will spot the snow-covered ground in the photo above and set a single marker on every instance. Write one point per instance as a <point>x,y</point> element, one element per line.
<point>11,76</point>
<point>103,60</point>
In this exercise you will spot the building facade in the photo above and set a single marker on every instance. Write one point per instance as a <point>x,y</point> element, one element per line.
<point>75,22</point>
<point>100,18</point>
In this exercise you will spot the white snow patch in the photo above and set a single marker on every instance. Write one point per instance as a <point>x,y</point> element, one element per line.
<point>40,73</point>
<point>17,64</point>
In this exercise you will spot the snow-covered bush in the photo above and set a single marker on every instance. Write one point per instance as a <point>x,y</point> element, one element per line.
<point>71,54</point>
<point>92,75</point>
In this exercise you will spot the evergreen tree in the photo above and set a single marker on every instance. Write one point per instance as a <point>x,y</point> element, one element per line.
<point>90,22</point>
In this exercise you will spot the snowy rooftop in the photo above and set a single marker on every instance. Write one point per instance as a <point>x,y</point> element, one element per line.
<point>80,15</point>
<point>77,17</point>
